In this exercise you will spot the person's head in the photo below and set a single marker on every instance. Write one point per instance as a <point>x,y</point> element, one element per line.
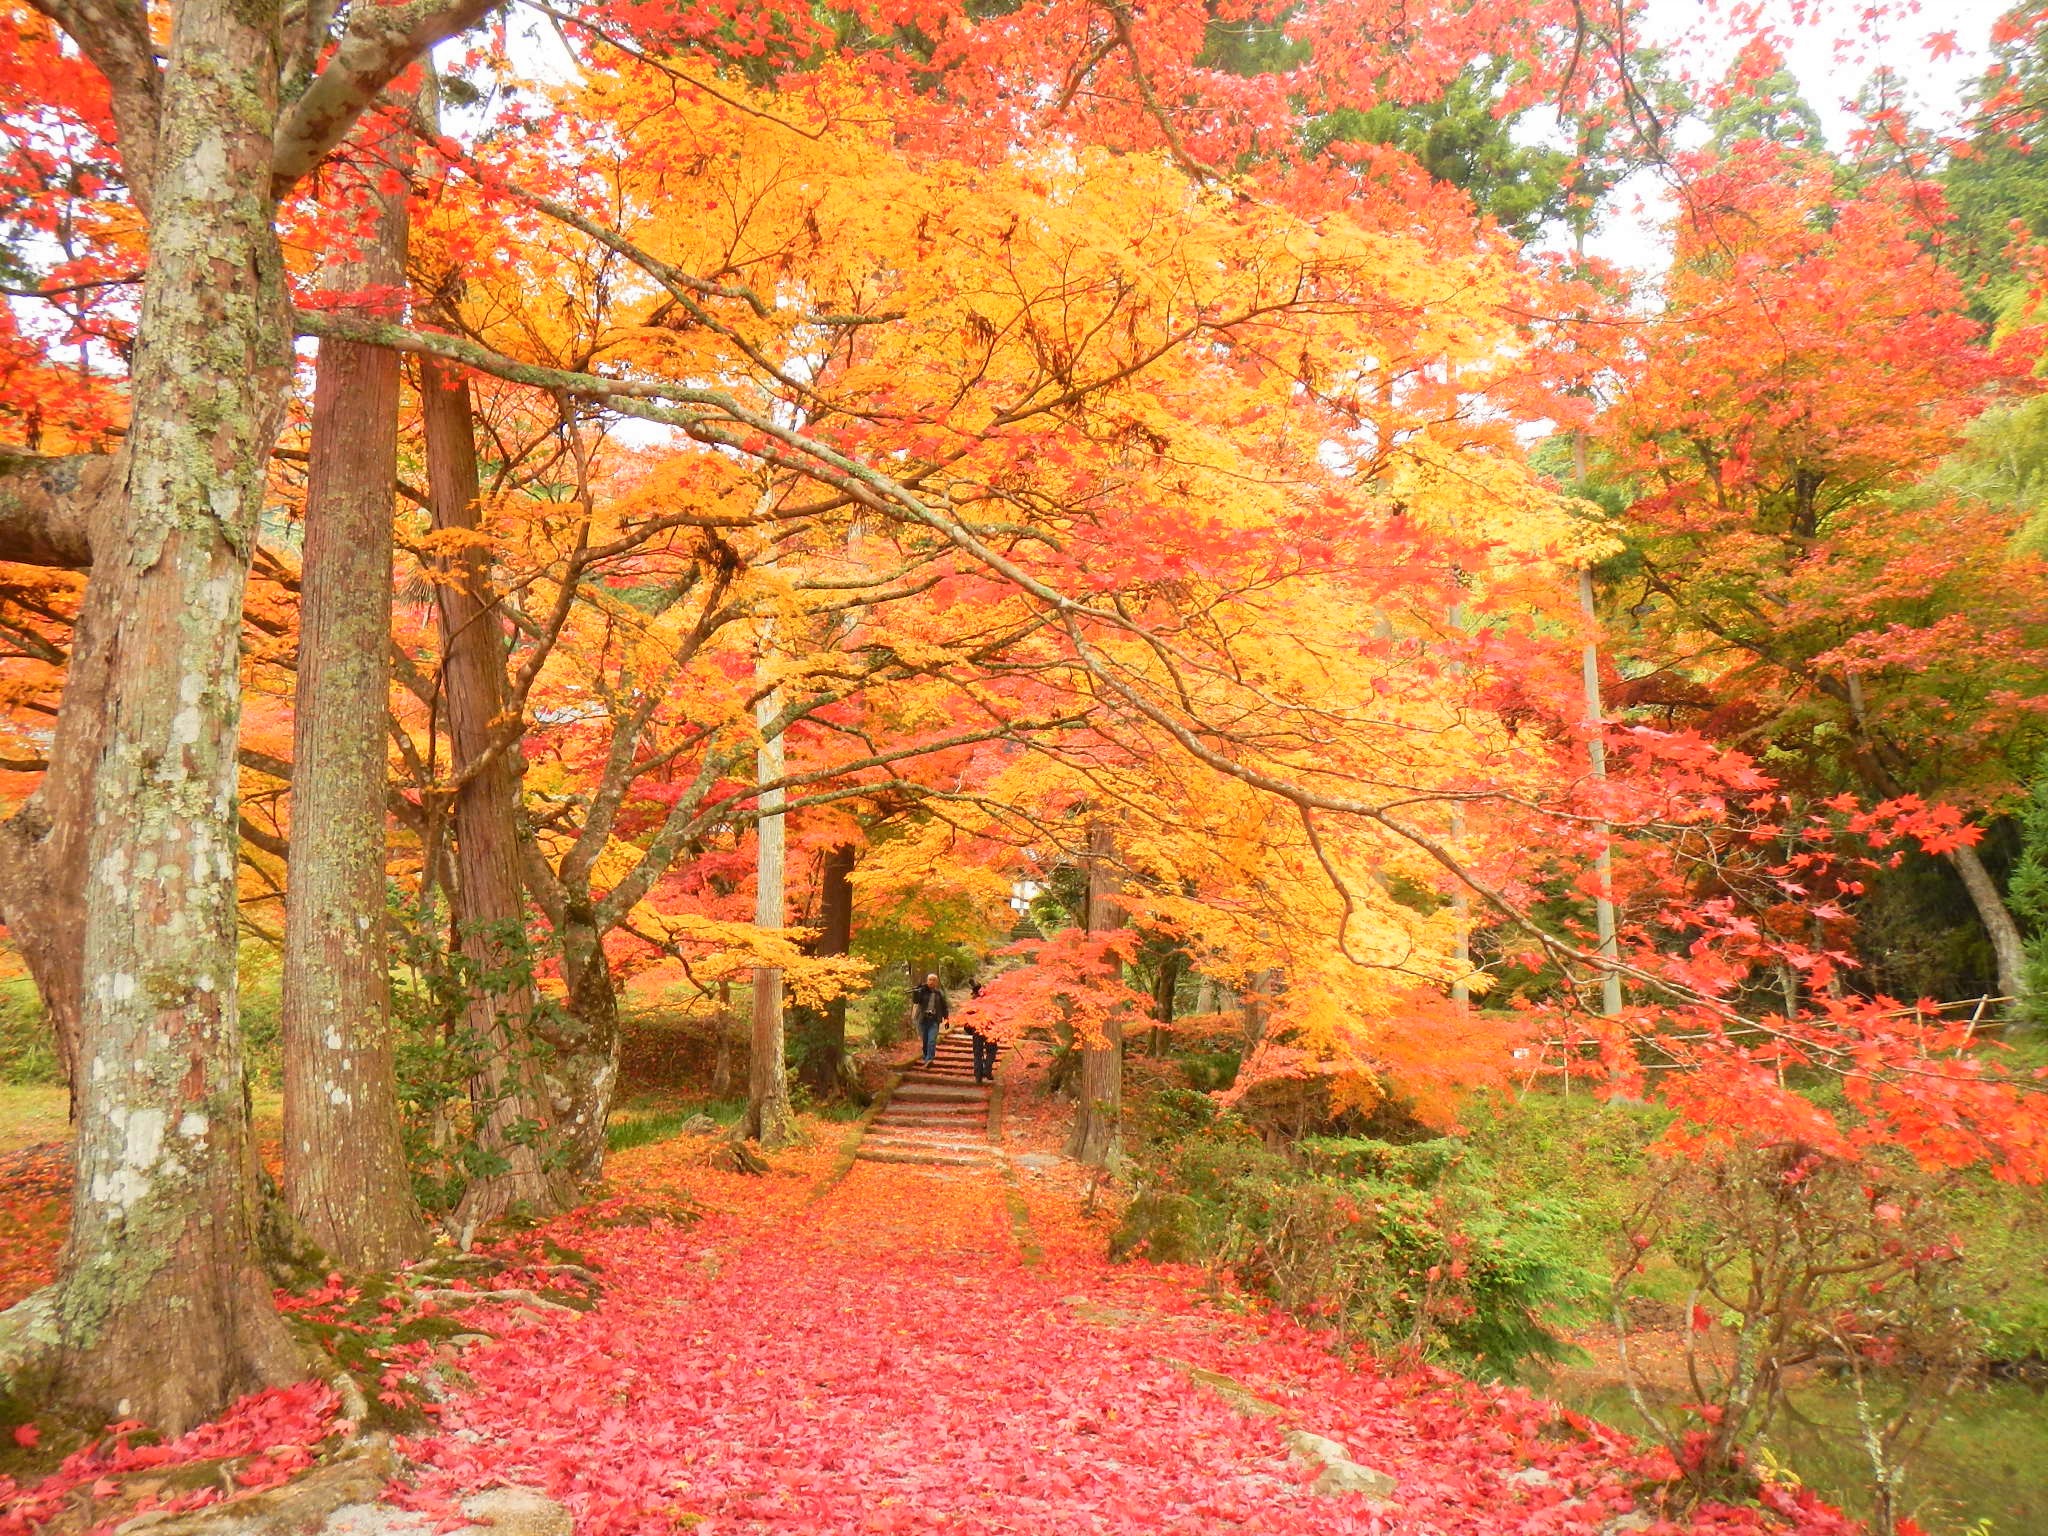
<point>932,980</point>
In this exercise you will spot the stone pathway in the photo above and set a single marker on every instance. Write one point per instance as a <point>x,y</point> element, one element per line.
<point>938,1115</point>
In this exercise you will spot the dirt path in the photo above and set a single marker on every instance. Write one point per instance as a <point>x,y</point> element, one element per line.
<point>940,1350</point>
<point>847,1346</point>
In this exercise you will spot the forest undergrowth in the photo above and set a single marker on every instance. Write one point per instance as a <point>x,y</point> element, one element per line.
<point>849,1347</point>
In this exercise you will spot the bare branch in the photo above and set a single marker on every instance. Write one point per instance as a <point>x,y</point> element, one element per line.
<point>114,34</point>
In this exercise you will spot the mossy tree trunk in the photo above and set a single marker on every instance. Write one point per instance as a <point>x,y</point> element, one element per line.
<point>344,1168</point>
<point>585,1065</point>
<point>513,1117</point>
<point>163,1311</point>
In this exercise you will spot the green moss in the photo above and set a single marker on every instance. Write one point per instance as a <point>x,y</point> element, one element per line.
<point>1164,1227</point>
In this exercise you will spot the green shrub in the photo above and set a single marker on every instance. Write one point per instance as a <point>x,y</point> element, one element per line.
<point>1209,1071</point>
<point>1396,1245</point>
<point>1164,1227</point>
<point>886,1009</point>
<point>1421,1164</point>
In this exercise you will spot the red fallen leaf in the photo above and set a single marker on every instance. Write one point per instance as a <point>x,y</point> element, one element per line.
<point>27,1435</point>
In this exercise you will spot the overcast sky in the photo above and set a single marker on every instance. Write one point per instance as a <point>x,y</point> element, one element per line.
<point>1831,58</point>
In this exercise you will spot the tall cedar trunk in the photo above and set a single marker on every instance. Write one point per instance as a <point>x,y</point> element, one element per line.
<point>769,1119</point>
<point>344,1168</point>
<point>42,900</point>
<point>511,1111</point>
<point>163,1311</point>
<point>826,1061</point>
<point>2007,947</point>
<point>585,1069</point>
<point>1098,1120</point>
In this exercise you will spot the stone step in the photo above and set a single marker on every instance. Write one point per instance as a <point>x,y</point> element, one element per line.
<point>958,1130</point>
<point>948,1148</point>
<point>933,1114</point>
<point>941,1093</point>
<point>965,1130</point>
<point>929,1159</point>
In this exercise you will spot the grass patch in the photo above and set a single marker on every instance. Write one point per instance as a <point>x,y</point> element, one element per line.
<point>1028,1249</point>
<point>644,1120</point>
<point>33,1115</point>
<point>28,1050</point>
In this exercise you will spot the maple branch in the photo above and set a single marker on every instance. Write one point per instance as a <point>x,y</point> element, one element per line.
<point>377,46</point>
<point>737,103</point>
<point>871,487</point>
<point>1120,21</point>
<point>114,35</point>
<point>65,290</point>
<point>46,507</point>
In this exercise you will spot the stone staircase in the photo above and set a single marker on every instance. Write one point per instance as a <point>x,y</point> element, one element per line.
<point>938,1115</point>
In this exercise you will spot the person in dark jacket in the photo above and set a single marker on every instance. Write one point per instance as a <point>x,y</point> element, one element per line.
<point>984,1047</point>
<point>929,1007</point>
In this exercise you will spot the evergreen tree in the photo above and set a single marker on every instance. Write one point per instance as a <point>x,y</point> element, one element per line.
<point>1762,101</point>
<point>2001,176</point>
<point>2029,894</point>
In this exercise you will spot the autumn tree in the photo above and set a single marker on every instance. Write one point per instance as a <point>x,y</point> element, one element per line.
<point>346,1179</point>
<point>164,1228</point>
<point>1778,550</point>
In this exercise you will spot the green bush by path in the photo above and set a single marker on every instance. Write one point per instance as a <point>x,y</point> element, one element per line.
<point>1594,1158</point>
<point>1531,1198</point>
<point>1399,1246</point>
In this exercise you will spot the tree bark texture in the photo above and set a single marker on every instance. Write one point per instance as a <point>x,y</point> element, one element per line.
<point>585,1068</point>
<point>826,1062</point>
<point>1257,1005</point>
<point>2007,946</point>
<point>43,845</point>
<point>164,1312</point>
<point>1165,988</point>
<point>769,1119</point>
<point>345,1176</point>
<point>1097,1139</point>
<point>513,1116</point>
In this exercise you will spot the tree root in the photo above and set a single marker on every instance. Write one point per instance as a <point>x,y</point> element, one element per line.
<point>448,1295</point>
<point>355,1476</point>
<point>29,1339</point>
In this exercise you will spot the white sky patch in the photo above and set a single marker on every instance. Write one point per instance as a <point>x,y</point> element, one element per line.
<point>1831,59</point>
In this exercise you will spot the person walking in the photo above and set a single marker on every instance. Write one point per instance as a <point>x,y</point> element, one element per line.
<point>928,1005</point>
<point>984,1047</point>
